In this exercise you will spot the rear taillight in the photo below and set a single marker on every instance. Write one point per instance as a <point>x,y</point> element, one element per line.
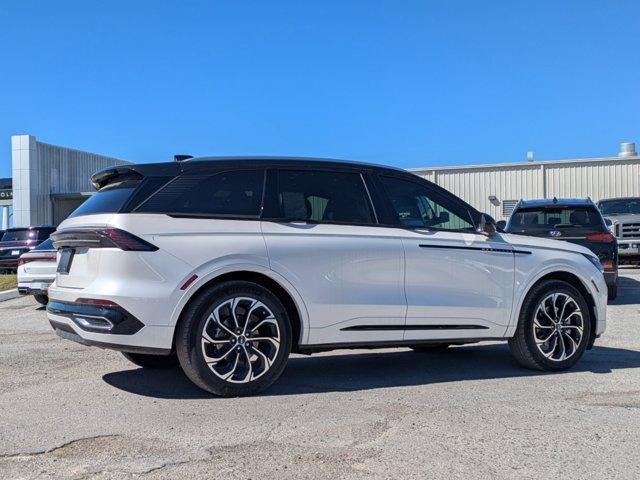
<point>601,237</point>
<point>100,238</point>
<point>43,257</point>
<point>607,264</point>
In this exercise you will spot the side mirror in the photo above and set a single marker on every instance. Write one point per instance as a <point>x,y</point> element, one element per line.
<point>502,224</point>
<point>608,222</point>
<point>487,225</point>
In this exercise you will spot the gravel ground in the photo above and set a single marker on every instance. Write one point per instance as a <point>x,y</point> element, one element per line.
<point>67,411</point>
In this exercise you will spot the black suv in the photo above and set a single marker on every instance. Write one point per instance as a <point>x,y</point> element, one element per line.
<point>574,220</point>
<point>16,241</point>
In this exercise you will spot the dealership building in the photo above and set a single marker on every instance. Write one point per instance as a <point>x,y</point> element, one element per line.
<point>50,181</point>
<point>496,188</point>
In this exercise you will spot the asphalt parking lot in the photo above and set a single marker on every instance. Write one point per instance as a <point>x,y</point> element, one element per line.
<point>67,411</point>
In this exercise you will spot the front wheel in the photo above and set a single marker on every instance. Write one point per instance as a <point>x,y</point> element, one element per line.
<point>553,328</point>
<point>234,339</point>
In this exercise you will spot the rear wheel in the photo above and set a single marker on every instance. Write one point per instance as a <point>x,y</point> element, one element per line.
<point>152,361</point>
<point>553,328</point>
<point>612,291</point>
<point>41,299</point>
<point>234,339</point>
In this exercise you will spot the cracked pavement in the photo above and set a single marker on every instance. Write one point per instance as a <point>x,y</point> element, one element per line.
<point>72,412</point>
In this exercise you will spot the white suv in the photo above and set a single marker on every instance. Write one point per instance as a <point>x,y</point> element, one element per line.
<point>227,265</point>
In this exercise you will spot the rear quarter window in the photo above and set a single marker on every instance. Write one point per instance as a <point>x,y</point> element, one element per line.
<point>236,193</point>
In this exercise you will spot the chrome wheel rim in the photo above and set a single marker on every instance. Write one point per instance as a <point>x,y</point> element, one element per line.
<point>240,340</point>
<point>558,327</point>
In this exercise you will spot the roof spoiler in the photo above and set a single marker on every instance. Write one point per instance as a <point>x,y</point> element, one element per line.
<point>109,175</point>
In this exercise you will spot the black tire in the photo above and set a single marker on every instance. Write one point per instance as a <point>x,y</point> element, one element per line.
<point>430,347</point>
<point>612,291</point>
<point>523,344</point>
<point>190,345</point>
<point>41,299</point>
<point>152,361</point>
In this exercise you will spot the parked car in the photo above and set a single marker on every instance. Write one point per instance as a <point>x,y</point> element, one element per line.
<point>229,265</point>
<point>16,241</point>
<point>624,216</point>
<point>37,270</point>
<point>573,220</point>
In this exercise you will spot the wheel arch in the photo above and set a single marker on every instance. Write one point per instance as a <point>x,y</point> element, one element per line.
<point>576,282</point>
<point>289,297</point>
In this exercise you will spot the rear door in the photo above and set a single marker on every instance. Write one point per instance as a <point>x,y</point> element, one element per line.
<point>324,238</point>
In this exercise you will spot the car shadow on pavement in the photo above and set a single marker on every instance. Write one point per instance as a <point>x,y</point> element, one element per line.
<point>628,291</point>
<point>368,370</point>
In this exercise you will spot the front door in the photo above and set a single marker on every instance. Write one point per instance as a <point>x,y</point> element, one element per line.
<point>458,282</point>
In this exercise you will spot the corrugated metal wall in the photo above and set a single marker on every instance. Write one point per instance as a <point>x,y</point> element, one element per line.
<point>595,178</point>
<point>41,170</point>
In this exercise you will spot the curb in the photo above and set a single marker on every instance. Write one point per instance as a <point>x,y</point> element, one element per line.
<point>9,294</point>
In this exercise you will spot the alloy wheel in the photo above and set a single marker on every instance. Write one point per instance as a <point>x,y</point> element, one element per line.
<point>558,327</point>
<point>240,340</point>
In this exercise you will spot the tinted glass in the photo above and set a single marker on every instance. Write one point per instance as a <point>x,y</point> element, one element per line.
<point>46,245</point>
<point>234,194</point>
<point>110,199</point>
<point>19,235</point>
<point>537,219</point>
<point>316,196</point>
<point>419,206</point>
<point>620,207</point>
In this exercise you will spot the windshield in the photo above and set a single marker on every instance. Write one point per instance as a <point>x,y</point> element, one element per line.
<point>552,218</point>
<point>620,207</point>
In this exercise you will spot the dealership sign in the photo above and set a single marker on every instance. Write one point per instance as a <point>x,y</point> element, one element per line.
<point>6,194</point>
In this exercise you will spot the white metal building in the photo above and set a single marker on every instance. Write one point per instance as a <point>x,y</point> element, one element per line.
<point>49,181</point>
<point>495,189</point>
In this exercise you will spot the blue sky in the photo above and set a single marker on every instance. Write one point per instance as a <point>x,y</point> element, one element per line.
<point>407,83</point>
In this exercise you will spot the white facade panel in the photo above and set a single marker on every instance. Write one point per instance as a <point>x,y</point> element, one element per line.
<point>41,170</point>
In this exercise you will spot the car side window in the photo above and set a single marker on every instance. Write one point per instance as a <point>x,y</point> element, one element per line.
<point>236,193</point>
<point>323,197</point>
<point>419,206</point>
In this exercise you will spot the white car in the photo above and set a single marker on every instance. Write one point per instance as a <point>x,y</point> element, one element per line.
<point>227,265</point>
<point>37,271</point>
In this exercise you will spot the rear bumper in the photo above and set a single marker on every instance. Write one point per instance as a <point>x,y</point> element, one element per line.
<point>9,263</point>
<point>149,339</point>
<point>611,278</point>
<point>629,248</point>
<point>67,332</point>
<point>35,287</point>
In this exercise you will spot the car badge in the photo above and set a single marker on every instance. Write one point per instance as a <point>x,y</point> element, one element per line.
<point>555,233</point>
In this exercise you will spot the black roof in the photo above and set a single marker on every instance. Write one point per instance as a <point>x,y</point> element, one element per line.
<point>550,202</point>
<point>103,177</point>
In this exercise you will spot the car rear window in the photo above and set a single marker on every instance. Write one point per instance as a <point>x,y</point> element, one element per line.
<point>19,235</point>
<point>549,218</point>
<point>46,245</point>
<point>109,199</point>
